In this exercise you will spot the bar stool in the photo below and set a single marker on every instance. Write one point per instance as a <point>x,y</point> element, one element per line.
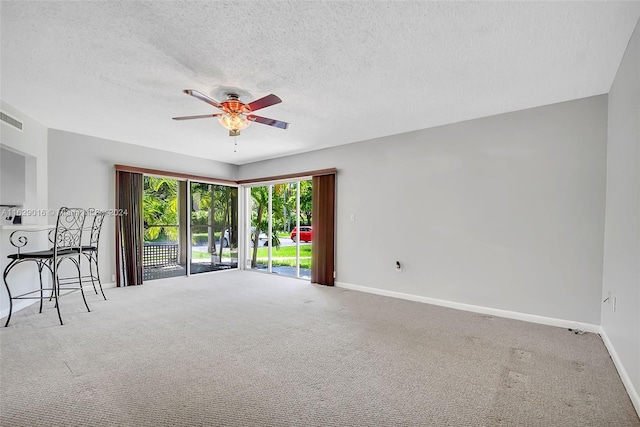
<point>67,244</point>
<point>91,251</point>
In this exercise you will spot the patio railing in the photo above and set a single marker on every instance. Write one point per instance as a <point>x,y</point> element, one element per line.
<point>160,254</point>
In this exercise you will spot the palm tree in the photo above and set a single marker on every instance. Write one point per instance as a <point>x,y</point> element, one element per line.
<point>160,207</point>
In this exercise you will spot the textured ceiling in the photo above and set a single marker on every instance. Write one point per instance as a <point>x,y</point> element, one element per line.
<point>346,71</point>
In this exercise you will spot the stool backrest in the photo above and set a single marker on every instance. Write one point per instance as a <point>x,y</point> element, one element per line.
<point>98,219</point>
<point>68,234</point>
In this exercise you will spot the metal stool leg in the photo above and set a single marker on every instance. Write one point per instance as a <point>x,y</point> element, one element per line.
<point>77,263</point>
<point>56,289</point>
<point>40,267</point>
<point>6,285</point>
<point>93,282</point>
<point>95,258</point>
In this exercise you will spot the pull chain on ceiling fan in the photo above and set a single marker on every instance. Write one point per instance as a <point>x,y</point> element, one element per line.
<point>236,114</point>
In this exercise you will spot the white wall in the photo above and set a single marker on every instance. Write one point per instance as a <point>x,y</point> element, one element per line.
<point>32,143</point>
<point>622,225</point>
<point>81,174</point>
<point>504,212</point>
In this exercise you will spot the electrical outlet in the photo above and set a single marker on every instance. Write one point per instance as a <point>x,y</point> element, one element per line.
<point>113,277</point>
<point>398,266</point>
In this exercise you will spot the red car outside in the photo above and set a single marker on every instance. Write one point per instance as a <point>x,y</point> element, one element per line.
<point>306,233</point>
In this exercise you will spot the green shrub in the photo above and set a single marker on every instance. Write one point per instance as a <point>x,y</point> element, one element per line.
<point>199,239</point>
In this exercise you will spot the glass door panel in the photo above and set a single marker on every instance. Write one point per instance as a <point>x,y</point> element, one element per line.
<point>163,253</point>
<point>214,227</point>
<point>257,238</point>
<point>303,234</point>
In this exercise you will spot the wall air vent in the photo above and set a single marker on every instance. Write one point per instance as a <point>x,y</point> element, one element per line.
<point>10,121</point>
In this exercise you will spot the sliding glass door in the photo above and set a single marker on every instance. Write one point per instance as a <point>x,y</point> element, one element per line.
<point>189,227</point>
<point>214,227</point>
<point>280,230</point>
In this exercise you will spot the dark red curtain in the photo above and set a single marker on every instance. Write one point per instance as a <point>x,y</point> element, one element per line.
<point>323,216</point>
<point>129,231</point>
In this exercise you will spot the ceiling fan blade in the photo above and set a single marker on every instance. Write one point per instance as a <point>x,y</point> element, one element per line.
<point>270,122</point>
<point>202,97</point>
<point>263,102</point>
<point>202,116</point>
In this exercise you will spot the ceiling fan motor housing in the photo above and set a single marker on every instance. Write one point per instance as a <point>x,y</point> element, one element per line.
<point>233,105</point>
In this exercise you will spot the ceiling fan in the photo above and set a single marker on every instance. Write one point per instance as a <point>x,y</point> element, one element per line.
<point>237,115</point>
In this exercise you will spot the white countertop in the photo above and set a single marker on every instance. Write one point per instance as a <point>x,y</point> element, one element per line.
<point>33,227</point>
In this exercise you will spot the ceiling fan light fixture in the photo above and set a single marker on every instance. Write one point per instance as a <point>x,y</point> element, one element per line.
<point>234,122</point>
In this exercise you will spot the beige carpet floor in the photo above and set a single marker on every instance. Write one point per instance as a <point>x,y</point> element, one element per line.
<point>249,349</point>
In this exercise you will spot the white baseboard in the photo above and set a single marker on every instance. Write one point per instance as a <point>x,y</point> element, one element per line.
<point>17,306</point>
<point>626,379</point>
<point>551,321</point>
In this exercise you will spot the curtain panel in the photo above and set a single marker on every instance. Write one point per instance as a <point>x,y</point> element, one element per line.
<point>129,229</point>
<point>323,243</point>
